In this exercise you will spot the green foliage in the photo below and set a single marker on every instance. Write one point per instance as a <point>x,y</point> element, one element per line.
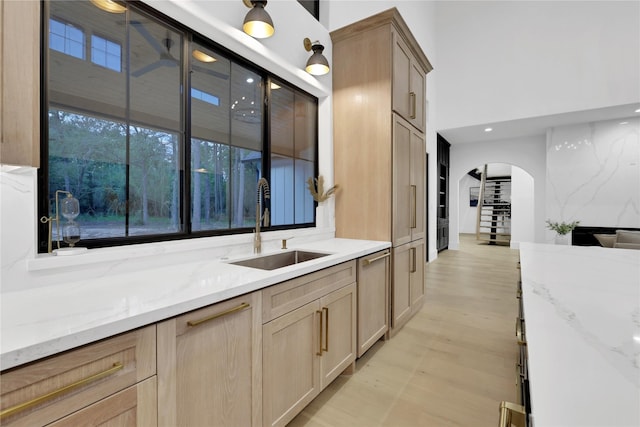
<point>562,228</point>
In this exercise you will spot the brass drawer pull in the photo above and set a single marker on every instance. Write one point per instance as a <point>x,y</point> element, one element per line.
<point>218,315</point>
<point>326,329</point>
<point>319,353</point>
<point>414,208</point>
<point>511,414</point>
<point>414,264</point>
<point>412,96</point>
<point>519,332</point>
<point>38,400</point>
<point>372,260</point>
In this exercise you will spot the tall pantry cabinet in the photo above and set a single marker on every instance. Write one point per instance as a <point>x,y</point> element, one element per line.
<point>379,88</point>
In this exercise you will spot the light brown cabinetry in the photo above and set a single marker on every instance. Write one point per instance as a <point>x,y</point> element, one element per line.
<point>408,276</point>
<point>373,299</point>
<point>111,382</point>
<point>379,72</point>
<point>409,84</point>
<point>209,365</point>
<point>309,338</point>
<point>408,182</point>
<point>20,83</point>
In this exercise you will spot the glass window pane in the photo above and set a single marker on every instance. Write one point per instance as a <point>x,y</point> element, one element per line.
<point>209,185</point>
<point>87,158</point>
<point>306,132</point>
<point>210,120</point>
<point>246,108</point>
<point>282,120</point>
<point>304,203</point>
<point>153,184</point>
<point>282,186</point>
<point>156,77</point>
<point>246,169</point>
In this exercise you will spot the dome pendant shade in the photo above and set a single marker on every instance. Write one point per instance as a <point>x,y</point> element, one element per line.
<point>258,23</point>
<point>317,64</point>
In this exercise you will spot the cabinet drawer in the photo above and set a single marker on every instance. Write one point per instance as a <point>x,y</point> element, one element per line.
<point>287,296</point>
<point>45,391</point>
<point>131,407</point>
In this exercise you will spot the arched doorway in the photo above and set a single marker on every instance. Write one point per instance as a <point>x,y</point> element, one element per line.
<point>520,198</point>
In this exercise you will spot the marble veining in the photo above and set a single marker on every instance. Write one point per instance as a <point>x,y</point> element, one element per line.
<point>593,173</point>
<point>582,322</point>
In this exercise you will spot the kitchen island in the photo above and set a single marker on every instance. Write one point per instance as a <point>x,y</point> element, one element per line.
<point>582,323</point>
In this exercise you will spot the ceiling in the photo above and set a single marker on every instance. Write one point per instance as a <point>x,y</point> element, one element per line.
<point>513,129</point>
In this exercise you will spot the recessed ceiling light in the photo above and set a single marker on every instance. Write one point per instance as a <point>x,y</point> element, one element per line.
<point>638,110</point>
<point>488,129</point>
<point>624,123</point>
<point>250,80</point>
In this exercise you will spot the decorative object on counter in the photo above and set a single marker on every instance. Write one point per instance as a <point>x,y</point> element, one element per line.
<point>562,230</point>
<point>257,23</point>
<point>316,188</point>
<point>317,64</point>
<point>69,207</point>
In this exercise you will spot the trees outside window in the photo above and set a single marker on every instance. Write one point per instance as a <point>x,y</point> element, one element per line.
<point>150,161</point>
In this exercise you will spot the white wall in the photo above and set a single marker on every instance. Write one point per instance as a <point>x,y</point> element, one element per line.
<point>523,205</point>
<point>467,214</point>
<point>527,153</point>
<point>593,174</point>
<point>504,60</point>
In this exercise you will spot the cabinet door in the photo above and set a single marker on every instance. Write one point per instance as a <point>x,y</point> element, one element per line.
<point>20,82</point>
<point>373,297</point>
<point>291,375</point>
<point>209,364</point>
<point>401,293</point>
<point>416,272</point>
<point>418,178</point>
<point>339,333</point>
<point>403,191</point>
<point>401,77</point>
<point>50,389</point>
<point>417,93</point>
<point>134,406</point>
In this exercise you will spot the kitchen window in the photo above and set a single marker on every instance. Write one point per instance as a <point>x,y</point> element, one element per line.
<point>149,161</point>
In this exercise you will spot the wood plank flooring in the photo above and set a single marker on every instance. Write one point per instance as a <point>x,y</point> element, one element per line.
<point>451,365</point>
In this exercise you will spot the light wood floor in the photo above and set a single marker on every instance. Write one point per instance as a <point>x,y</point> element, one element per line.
<point>451,365</point>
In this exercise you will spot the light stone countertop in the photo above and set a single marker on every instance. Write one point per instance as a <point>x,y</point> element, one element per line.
<point>582,324</point>
<point>40,322</point>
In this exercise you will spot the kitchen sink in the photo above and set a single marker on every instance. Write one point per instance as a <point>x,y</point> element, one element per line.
<point>283,259</point>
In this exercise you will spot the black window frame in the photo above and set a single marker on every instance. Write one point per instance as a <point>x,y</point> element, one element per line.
<point>190,36</point>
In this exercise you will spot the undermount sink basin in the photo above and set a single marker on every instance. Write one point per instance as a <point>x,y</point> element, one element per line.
<point>271,262</point>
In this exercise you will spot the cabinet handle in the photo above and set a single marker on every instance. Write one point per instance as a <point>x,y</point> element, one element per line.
<point>414,205</point>
<point>413,261</point>
<point>319,353</point>
<point>412,96</point>
<point>326,329</point>
<point>38,400</point>
<point>519,333</point>
<point>507,409</point>
<point>378,258</point>
<point>218,315</point>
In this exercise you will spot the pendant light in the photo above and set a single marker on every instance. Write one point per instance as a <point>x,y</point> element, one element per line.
<point>317,64</point>
<point>109,6</point>
<point>257,23</point>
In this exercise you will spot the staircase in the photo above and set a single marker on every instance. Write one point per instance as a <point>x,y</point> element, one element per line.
<point>494,210</point>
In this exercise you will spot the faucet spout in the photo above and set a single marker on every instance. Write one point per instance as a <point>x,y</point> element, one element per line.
<point>262,191</point>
